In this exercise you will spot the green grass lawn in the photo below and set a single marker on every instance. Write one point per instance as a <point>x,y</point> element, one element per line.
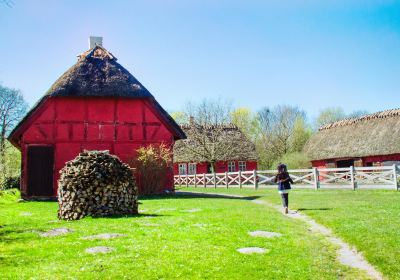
<point>367,219</point>
<point>164,242</point>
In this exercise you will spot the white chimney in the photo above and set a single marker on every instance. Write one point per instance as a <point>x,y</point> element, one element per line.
<point>95,41</point>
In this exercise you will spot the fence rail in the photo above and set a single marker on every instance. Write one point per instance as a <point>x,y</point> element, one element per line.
<point>353,177</point>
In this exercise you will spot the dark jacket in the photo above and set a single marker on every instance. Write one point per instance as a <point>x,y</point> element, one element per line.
<point>283,180</point>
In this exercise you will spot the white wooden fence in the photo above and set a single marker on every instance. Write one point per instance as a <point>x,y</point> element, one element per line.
<point>385,177</point>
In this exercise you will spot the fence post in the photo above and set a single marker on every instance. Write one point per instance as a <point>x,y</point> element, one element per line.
<point>255,179</point>
<point>316,178</point>
<point>179,180</point>
<point>204,180</point>
<point>187,181</point>
<point>226,180</point>
<point>395,177</point>
<point>352,178</point>
<point>240,179</point>
<point>215,180</point>
<point>195,180</point>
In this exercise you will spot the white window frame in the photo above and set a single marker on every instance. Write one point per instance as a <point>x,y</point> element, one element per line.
<point>182,169</point>
<point>231,166</point>
<point>192,169</point>
<point>242,165</point>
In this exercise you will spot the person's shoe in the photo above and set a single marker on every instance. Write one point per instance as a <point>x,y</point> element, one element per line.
<point>286,210</point>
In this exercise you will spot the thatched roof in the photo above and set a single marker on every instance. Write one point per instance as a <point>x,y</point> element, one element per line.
<point>97,73</point>
<point>374,134</point>
<point>241,148</point>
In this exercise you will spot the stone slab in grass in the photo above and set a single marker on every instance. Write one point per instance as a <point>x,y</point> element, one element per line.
<point>252,250</point>
<point>99,249</point>
<point>265,234</point>
<point>25,214</point>
<point>150,225</point>
<point>103,236</point>
<point>55,232</point>
<point>192,210</point>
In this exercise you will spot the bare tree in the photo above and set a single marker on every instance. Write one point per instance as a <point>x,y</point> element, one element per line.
<point>278,131</point>
<point>12,108</point>
<point>211,136</point>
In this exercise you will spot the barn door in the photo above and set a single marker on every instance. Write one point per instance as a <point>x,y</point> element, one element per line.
<point>40,170</point>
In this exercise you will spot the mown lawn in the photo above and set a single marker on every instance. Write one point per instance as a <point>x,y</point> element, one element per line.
<point>166,241</point>
<point>368,219</point>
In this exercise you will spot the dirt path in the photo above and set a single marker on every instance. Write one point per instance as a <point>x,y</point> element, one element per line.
<point>347,255</point>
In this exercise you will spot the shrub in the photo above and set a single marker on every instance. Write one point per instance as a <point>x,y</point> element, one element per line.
<point>10,183</point>
<point>153,168</point>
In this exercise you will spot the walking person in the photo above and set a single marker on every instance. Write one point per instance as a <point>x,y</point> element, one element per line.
<point>283,179</point>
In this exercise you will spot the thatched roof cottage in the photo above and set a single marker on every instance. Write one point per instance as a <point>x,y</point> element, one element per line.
<point>223,146</point>
<point>370,140</point>
<point>95,105</point>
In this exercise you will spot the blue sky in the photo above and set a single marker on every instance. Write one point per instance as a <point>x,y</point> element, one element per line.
<point>313,54</point>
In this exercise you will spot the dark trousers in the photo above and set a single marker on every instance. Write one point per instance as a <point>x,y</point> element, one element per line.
<point>285,199</point>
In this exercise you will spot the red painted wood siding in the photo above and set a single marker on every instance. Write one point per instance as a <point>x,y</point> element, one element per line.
<point>365,160</point>
<point>72,125</point>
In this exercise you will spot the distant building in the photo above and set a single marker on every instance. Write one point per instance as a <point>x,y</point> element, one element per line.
<point>243,153</point>
<point>371,140</point>
<point>95,105</point>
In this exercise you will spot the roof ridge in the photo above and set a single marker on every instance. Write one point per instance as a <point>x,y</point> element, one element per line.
<point>350,121</point>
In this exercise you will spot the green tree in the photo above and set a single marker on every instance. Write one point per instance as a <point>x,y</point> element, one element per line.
<point>329,115</point>
<point>246,121</point>
<point>301,133</point>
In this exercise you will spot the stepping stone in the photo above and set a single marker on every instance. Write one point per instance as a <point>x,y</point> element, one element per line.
<point>142,210</point>
<point>266,234</point>
<point>192,210</point>
<point>99,249</point>
<point>200,225</point>
<point>150,225</point>
<point>103,236</point>
<point>55,232</point>
<point>164,209</point>
<point>26,214</point>
<point>54,221</point>
<point>252,250</point>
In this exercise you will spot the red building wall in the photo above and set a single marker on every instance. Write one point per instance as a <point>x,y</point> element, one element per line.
<point>366,161</point>
<point>71,125</point>
<point>221,166</point>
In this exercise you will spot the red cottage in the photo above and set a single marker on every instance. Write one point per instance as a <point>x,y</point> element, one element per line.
<point>190,157</point>
<point>371,140</point>
<point>96,105</point>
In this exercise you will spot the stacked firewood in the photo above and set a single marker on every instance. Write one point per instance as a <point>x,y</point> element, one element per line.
<point>96,183</point>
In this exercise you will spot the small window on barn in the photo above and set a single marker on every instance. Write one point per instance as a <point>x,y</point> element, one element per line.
<point>231,166</point>
<point>191,168</point>
<point>182,169</point>
<point>242,165</point>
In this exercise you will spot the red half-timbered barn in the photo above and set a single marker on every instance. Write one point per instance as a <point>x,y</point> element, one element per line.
<point>370,140</point>
<point>96,105</point>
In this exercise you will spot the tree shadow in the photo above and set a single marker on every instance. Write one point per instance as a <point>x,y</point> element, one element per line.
<point>314,209</point>
<point>189,195</point>
<point>139,215</point>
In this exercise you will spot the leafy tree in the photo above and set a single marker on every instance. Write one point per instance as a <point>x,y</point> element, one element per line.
<point>295,160</point>
<point>246,121</point>
<point>330,115</point>
<point>180,117</point>
<point>12,108</point>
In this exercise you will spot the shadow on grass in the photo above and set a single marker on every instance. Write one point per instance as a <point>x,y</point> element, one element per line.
<point>139,215</point>
<point>314,209</point>
<point>208,195</point>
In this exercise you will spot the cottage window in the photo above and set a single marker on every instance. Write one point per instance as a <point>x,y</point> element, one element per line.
<point>191,168</point>
<point>231,166</point>
<point>242,165</point>
<point>182,169</point>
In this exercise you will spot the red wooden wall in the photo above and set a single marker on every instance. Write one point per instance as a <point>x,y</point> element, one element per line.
<point>374,160</point>
<point>72,125</point>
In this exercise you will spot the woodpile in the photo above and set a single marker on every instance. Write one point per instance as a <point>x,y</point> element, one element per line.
<point>96,184</point>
